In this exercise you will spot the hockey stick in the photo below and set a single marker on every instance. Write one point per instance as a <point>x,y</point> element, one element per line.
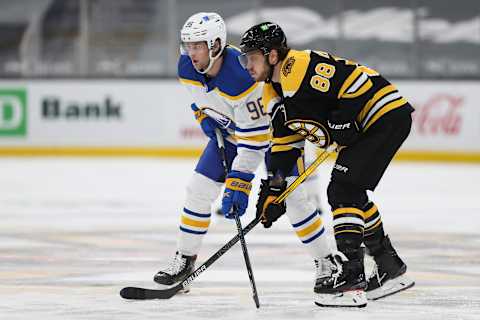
<point>321,157</point>
<point>221,147</point>
<point>136,293</point>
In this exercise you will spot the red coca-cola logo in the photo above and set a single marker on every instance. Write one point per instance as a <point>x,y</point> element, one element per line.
<point>439,115</point>
<point>191,133</point>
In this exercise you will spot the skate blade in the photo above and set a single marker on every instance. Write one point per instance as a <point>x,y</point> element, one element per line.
<point>353,298</point>
<point>390,287</point>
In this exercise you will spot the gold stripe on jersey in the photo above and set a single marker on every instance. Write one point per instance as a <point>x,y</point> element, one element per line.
<point>257,138</point>
<point>293,70</point>
<point>190,82</point>
<point>377,96</point>
<point>286,143</point>
<point>269,97</point>
<point>356,84</point>
<point>359,87</point>
<point>288,139</point>
<point>348,82</point>
<point>240,96</point>
<point>371,72</point>
<point>281,148</point>
<point>388,107</point>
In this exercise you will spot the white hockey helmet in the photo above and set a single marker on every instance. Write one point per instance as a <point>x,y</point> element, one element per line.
<point>208,27</point>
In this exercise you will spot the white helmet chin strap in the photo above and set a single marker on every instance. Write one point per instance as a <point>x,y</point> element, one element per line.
<point>211,61</point>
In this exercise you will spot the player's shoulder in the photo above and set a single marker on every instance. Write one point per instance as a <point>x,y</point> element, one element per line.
<point>233,81</point>
<point>269,97</point>
<point>293,70</point>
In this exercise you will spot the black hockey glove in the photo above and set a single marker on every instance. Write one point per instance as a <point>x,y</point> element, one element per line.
<point>268,211</point>
<point>343,132</point>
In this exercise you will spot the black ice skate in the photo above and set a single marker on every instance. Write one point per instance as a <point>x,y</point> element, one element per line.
<point>181,266</point>
<point>389,274</point>
<point>323,269</point>
<point>345,287</point>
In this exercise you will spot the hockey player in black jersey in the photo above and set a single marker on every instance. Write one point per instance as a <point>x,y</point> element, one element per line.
<point>316,96</point>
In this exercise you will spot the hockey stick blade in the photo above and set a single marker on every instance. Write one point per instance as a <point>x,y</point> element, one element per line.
<point>136,293</point>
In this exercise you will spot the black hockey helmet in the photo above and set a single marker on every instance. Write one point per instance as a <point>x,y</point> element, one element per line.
<point>264,36</point>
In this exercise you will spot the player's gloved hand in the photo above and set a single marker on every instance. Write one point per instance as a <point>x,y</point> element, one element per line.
<point>207,124</point>
<point>268,211</point>
<point>343,131</point>
<point>237,190</point>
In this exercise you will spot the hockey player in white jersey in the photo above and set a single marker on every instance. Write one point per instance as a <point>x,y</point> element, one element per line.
<point>226,97</point>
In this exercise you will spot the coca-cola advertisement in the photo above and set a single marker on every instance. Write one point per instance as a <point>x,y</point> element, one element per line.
<point>440,115</point>
<point>446,117</point>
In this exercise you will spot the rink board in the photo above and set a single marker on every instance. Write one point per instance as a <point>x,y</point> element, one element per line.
<point>153,118</point>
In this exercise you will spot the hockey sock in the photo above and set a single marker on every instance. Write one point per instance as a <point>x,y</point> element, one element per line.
<point>193,227</point>
<point>311,232</point>
<point>374,233</point>
<point>348,225</point>
<point>195,218</point>
<point>307,223</point>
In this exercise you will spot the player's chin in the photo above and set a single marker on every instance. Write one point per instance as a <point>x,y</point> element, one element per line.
<point>257,77</point>
<point>200,66</point>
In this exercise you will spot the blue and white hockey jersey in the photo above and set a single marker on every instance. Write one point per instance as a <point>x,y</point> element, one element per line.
<point>233,99</point>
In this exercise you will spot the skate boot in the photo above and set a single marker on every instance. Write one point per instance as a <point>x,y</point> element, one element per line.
<point>323,270</point>
<point>345,287</point>
<point>389,274</point>
<point>179,269</point>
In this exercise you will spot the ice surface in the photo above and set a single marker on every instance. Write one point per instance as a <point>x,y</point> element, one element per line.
<point>73,232</point>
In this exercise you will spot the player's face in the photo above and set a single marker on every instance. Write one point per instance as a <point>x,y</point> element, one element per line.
<point>198,53</point>
<point>256,65</point>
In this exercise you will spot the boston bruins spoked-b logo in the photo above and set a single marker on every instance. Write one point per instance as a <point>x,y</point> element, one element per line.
<point>313,131</point>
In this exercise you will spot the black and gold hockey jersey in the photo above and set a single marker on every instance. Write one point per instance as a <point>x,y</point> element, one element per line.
<point>314,83</point>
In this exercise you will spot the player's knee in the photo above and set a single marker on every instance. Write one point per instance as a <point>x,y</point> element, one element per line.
<point>203,190</point>
<point>298,204</point>
<point>346,195</point>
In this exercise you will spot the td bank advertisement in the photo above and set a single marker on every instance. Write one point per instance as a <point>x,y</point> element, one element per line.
<point>96,113</point>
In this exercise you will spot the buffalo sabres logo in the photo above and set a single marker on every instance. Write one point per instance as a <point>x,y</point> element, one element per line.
<point>313,131</point>
<point>223,120</point>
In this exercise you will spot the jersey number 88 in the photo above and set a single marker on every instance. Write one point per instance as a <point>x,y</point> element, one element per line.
<point>320,81</point>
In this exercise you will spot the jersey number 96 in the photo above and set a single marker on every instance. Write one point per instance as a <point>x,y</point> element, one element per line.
<point>256,109</point>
